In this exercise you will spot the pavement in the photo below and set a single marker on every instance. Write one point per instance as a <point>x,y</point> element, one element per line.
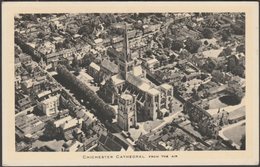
<point>221,132</point>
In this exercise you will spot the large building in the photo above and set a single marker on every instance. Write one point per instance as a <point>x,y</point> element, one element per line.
<point>50,106</point>
<point>204,122</point>
<point>132,79</point>
<point>127,117</point>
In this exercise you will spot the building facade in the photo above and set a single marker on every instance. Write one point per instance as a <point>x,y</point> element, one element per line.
<point>50,106</point>
<point>127,117</point>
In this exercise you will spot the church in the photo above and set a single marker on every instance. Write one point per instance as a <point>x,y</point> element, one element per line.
<point>150,98</point>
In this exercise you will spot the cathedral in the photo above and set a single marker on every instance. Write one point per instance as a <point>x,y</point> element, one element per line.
<point>150,99</point>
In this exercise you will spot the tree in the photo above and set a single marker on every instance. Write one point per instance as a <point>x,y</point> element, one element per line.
<point>232,63</point>
<point>87,59</point>
<point>77,70</point>
<point>192,45</point>
<point>166,114</point>
<point>177,45</point>
<point>106,112</point>
<point>241,49</point>
<point>239,70</point>
<point>226,52</point>
<point>66,43</point>
<point>184,79</point>
<point>86,29</point>
<point>167,43</point>
<point>235,90</point>
<point>75,62</point>
<point>148,53</point>
<point>50,131</point>
<point>238,29</point>
<point>225,35</point>
<point>40,35</point>
<point>207,33</point>
<point>200,88</point>
<point>217,75</point>
<point>243,142</point>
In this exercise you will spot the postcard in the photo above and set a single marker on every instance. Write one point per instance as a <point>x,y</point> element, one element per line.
<point>130,83</point>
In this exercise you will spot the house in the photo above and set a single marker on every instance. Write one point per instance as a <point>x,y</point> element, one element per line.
<point>204,121</point>
<point>70,124</point>
<point>151,64</point>
<point>24,103</point>
<point>107,69</point>
<point>50,105</point>
<point>28,125</point>
<point>93,70</point>
<point>72,146</point>
<point>237,115</point>
<point>27,85</point>
<point>111,142</point>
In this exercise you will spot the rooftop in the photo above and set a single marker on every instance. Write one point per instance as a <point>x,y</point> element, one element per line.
<point>138,82</point>
<point>153,91</point>
<point>240,112</point>
<point>166,86</point>
<point>137,71</point>
<point>110,66</point>
<point>95,66</point>
<point>126,97</point>
<point>50,99</point>
<point>62,121</point>
<point>117,79</point>
<point>71,123</point>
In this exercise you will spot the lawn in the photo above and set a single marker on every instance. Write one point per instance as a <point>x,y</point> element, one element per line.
<point>216,103</point>
<point>150,125</point>
<point>235,133</point>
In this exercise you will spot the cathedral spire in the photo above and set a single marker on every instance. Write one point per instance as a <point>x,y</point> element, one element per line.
<point>126,47</point>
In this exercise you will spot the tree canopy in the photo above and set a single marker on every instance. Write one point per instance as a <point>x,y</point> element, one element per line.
<point>192,45</point>
<point>177,45</point>
<point>86,29</point>
<point>107,112</point>
<point>207,33</point>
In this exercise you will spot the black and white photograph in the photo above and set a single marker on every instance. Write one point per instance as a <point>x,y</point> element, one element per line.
<point>130,81</point>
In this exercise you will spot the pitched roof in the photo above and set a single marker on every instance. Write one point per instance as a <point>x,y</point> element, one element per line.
<point>236,114</point>
<point>153,91</point>
<point>117,79</point>
<point>138,82</point>
<point>166,86</point>
<point>110,66</point>
<point>109,143</point>
<point>95,66</point>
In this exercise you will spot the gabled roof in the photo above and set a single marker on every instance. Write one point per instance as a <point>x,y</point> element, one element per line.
<point>117,79</point>
<point>95,66</point>
<point>112,143</point>
<point>138,82</point>
<point>110,66</point>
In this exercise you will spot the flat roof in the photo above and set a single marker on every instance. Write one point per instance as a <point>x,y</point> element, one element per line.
<point>61,121</point>
<point>240,112</point>
<point>95,66</point>
<point>166,86</point>
<point>52,98</point>
<point>153,91</point>
<point>126,97</point>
